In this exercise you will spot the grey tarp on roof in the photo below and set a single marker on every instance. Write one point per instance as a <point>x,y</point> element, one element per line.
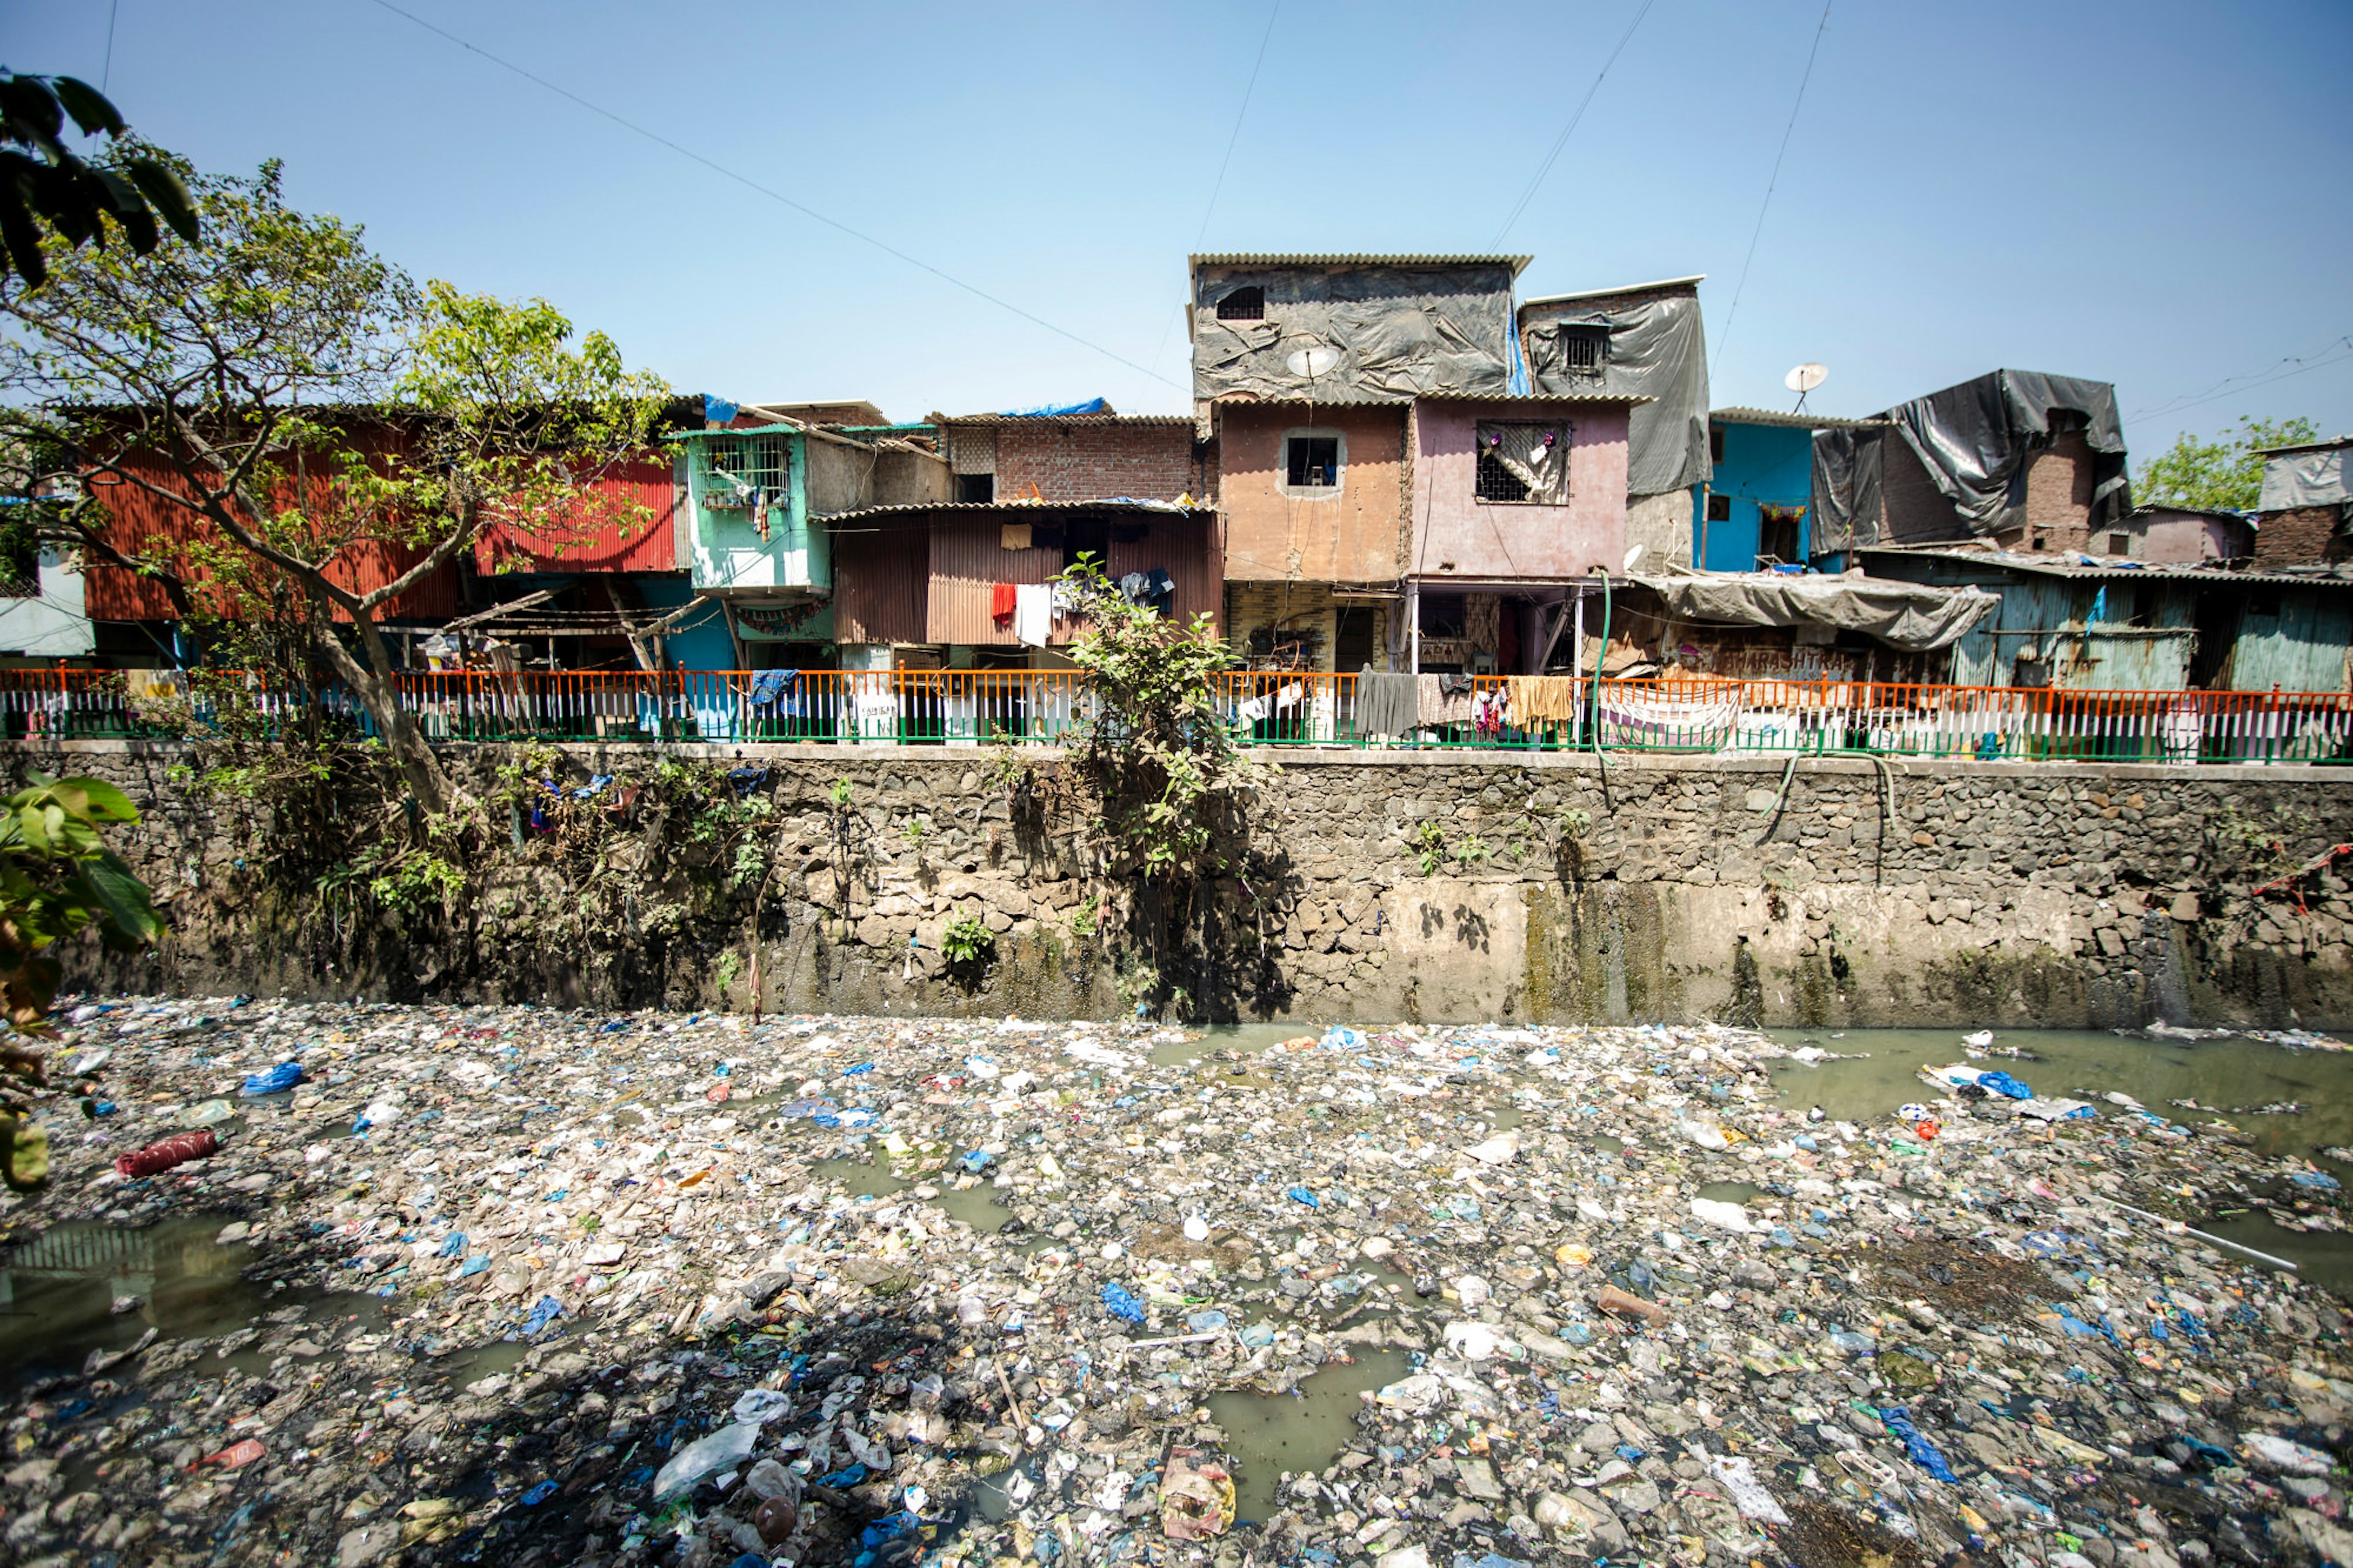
<point>1974,440</point>
<point>1394,332</point>
<point>1909,616</point>
<point>1658,349</point>
<point>2307,478</point>
<point>1848,466</point>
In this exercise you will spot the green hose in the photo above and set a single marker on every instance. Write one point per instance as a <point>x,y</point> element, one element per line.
<point>1599,756</point>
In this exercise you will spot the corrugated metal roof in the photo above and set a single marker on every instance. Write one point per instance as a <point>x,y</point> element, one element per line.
<point>1517,263</point>
<point>1695,278</point>
<point>2329,445</point>
<point>1103,419</point>
<point>1745,415</point>
<point>1014,511</point>
<point>1539,399</point>
<point>2047,566</point>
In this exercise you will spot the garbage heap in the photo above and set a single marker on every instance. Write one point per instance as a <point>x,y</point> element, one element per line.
<point>533,1287</point>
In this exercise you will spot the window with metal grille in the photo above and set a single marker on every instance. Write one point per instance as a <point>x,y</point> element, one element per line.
<point>1243,305</point>
<point>1496,482</point>
<point>1584,350</point>
<point>738,470</point>
<point>1312,462</point>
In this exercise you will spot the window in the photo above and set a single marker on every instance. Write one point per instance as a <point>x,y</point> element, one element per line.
<point>1584,350</point>
<point>1521,461</point>
<point>981,488</point>
<point>1719,509</point>
<point>738,471</point>
<point>1716,443</point>
<point>1243,305</point>
<point>1311,462</point>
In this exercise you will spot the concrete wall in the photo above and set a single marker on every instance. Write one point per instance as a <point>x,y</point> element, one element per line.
<point>1661,525</point>
<point>2008,894</point>
<point>1350,535</point>
<point>1455,531</point>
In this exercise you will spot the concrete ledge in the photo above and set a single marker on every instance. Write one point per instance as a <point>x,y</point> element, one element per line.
<point>1298,758</point>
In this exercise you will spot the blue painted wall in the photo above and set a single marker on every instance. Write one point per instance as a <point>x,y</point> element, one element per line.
<point>1762,463</point>
<point>701,641</point>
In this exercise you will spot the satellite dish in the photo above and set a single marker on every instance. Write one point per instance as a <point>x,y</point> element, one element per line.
<point>1312,362</point>
<point>1806,377</point>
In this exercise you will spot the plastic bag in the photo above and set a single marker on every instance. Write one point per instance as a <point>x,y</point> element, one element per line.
<point>274,1081</point>
<point>731,1445</point>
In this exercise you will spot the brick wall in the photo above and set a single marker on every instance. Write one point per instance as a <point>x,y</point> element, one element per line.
<point>2300,537</point>
<point>2059,494</point>
<point>1069,461</point>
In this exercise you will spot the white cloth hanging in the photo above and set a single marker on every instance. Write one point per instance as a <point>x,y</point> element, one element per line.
<point>1033,614</point>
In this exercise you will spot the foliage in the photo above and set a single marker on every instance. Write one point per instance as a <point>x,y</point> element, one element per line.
<point>44,183</point>
<point>968,942</point>
<point>1575,821</point>
<point>1429,842</point>
<point>303,410</point>
<point>57,880</point>
<point>1164,767</point>
<point>2223,474</point>
<point>1472,851</point>
<point>1087,919</point>
<point>914,831</point>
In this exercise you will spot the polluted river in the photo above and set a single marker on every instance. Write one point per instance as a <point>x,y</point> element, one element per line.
<point>523,1286</point>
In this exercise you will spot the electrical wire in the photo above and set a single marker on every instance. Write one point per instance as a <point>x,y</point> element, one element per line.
<point>106,70</point>
<point>2304,365</point>
<point>775,195</point>
<point>1219,185</point>
<point>1767,206</point>
<point>1561,140</point>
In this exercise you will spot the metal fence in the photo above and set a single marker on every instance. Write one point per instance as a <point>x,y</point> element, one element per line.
<point>966,707</point>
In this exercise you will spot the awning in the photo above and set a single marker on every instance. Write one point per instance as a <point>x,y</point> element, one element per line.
<point>1913,616</point>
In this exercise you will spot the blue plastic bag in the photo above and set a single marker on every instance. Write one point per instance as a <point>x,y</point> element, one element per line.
<point>2002,1083</point>
<point>1898,1421</point>
<point>546,1313</point>
<point>275,1081</point>
<point>539,1494</point>
<point>1302,1196</point>
<point>1121,1305</point>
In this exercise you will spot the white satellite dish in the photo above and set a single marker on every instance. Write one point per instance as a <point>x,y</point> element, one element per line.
<point>1804,378</point>
<point>1312,362</point>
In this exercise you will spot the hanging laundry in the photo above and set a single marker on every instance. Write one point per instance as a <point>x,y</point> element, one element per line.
<point>1441,701</point>
<point>760,512</point>
<point>1033,614</point>
<point>1014,536</point>
<point>1002,602</point>
<point>1385,704</point>
<point>1288,697</point>
<point>1253,710</point>
<point>1540,698</point>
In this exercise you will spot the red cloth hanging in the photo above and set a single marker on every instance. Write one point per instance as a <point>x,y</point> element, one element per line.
<point>1002,601</point>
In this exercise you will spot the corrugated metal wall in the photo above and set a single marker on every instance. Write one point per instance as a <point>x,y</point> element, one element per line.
<point>880,566</point>
<point>2305,648</point>
<point>969,558</point>
<point>136,517</point>
<point>1185,548</point>
<point>628,523</point>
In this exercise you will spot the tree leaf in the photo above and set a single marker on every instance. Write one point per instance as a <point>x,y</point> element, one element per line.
<point>168,195</point>
<point>89,108</point>
<point>104,802</point>
<point>129,907</point>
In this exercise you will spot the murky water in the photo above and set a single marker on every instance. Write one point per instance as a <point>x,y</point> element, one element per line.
<point>1270,1433</point>
<point>1249,1039</point>
<point>2230,1080</point>
<point>57,1291</point>
<point>976,1207</point>
<point>1728,1192</point>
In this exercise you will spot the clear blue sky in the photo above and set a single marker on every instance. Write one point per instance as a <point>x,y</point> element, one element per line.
<point>2141,192</point>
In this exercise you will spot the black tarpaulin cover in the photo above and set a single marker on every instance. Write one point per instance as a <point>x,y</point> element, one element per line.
<point>1357,334</point>
<point>1657,348</point>
<point>1913,616</point>
<point>1974,440</point>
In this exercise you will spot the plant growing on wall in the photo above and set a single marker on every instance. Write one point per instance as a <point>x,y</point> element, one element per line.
<point>968,944</point>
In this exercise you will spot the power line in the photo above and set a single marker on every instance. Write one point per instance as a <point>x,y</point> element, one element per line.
<point>1767,206</point>
<point>1560,142</point>
<point>1223,163</point>
<point>1264,38</point>
<point>106,71</point>
<point>2304,366</point>
<point>775,196</point>
<point>2252,377</point>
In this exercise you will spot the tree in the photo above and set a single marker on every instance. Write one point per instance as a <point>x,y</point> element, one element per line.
<point>2220,475</point>
<point>42,184</point>
<point>307,408</point>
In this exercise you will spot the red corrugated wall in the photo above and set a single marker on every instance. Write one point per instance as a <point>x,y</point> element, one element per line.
<point>879,571</point>
<point>135,517</point>
<point>628,523</point>
<point>969,559</point>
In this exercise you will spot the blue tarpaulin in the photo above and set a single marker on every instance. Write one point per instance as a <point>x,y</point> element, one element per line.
<point>1053,410</point>
<point>717,410</point>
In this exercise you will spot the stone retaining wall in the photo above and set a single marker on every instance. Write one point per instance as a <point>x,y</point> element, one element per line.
<point>1413,885</point>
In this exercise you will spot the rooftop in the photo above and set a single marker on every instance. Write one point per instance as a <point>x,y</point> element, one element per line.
<point>1694,278</point>
<point>2329,445</point>
<point>1738,416</point>
<point>1517,263</point>
<point>1014,511</point>
<point>1090,419</point>
<point>2089,568</point>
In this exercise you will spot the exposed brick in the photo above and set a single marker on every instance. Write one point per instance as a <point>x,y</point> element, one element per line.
<point>2302,536</point>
